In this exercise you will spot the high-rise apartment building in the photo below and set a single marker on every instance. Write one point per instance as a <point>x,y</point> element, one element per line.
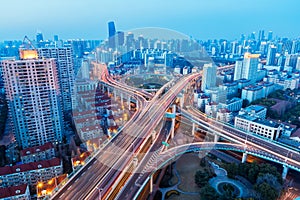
<point>271,56</point>
<point>247,68</point>
<point>32,92</point>
<point>238,70</point>
<point>65,69</point>
<point>209,78</point>
<point>250,66</point>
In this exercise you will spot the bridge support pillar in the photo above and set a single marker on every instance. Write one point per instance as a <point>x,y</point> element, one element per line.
<point>182,100</point>
<point>284,172</point>
<point>244,158</point>
<point>128,102</point>
<point>173,122</point>
<point>193,130</point>
<point>115,94</point>
<point>216,138</point>
<point>121,99</point>
<point>151,184</point>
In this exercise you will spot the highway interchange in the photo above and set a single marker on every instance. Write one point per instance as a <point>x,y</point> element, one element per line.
<point>99,176</point>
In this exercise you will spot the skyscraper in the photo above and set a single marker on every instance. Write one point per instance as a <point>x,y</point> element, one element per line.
<point>238,70</point>
<point>270,35</point>
<point>55,37</point>
<point>111,29</point>
<point>65,69</point>
<point>111,34</point>
<point>39,37</point>
<point>250,66</point>
<point>32,92</point>
<point>121,38</point>
<point>261,35</point>
<point>209,78</point>
<point>271,56</point>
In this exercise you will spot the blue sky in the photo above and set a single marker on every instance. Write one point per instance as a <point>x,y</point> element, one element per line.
<point>201,19</point>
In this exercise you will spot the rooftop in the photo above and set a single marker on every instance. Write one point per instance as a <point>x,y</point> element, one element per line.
<point>243,80</point>
<point>255,108</point>
<point>265,122</point>
<point>12,191</point>
<point>33,150</point>
<point>29,166</point>
<point>253,87</point>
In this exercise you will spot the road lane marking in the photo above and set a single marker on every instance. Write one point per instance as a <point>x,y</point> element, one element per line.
<point>62,195</point>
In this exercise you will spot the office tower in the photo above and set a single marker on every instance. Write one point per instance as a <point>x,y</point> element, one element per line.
<point>295,47</point>
<point>261,35</point>
<point>121,38</point>
<point>209,78</point>
<point>238,70</point>
<point>32,92</point>
<point>111,29</point>
<point>252,37</point>
<point>39,37</point>
<point>233,47</point>
<point>55,37</point>
<point>65,70</point>
<point>111,34</point>
<point>250,65</point>
<point>298,64</point>
<point>270,35</point>
<point>291,60</point>
<point>271,56</point>
<point>129,41</point>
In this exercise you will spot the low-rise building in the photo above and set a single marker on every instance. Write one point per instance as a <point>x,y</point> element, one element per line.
<point>266,128</point>
<point>224,115</point>
<point>252,92</point>
<point>233,105</point>
<point>254,110</point>
<point>291,83</point>
<point>79,160</point>
<point>211,109</point>
<point>18,192</point>
<point>30,173</point>
<point>230,88</point>
<point>38,153</point>
<point>268,87</point>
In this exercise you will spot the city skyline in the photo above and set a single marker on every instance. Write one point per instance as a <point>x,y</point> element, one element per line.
<point>198,19</point>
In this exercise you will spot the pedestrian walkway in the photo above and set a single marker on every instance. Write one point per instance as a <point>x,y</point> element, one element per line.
<point>164,191</point>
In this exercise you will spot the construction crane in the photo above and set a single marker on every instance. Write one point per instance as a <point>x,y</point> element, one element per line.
<point>27,44</point>
<point>27,50</point>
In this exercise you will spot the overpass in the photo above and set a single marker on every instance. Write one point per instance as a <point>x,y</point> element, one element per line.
<point>109,163</point>
<point>99,177</point>
<point>247,143</point>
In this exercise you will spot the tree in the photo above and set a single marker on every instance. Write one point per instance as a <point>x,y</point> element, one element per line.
<point>201,178</point>
<point>270,179</point>
<point>266,191</point>
<point>208,193</point>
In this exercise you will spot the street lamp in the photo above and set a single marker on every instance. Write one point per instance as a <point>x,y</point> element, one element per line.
<point>100,190</point>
